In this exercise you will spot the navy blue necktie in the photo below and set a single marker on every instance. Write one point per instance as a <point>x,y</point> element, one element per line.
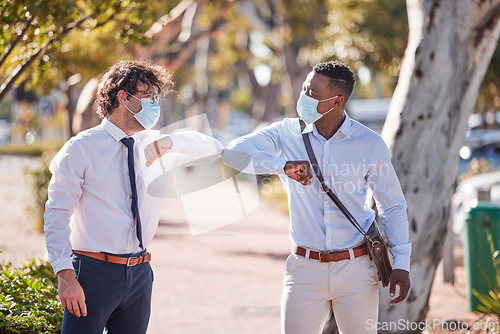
<point>129,142</point>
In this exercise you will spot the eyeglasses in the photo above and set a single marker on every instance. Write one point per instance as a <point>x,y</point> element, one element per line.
<point>151,95</point>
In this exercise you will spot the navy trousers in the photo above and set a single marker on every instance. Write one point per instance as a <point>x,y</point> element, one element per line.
<point>118,297</point>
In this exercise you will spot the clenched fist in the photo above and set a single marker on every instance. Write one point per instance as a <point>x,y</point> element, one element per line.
<point>299,171</point>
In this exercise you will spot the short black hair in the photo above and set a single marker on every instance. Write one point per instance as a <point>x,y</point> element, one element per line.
<point>340,76</point>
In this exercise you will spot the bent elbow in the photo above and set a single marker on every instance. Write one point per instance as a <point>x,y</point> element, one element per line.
<point>236,159</point>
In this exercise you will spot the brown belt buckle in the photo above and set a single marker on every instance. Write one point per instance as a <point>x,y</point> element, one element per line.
<point>321,253</point>
<point>132,258</point>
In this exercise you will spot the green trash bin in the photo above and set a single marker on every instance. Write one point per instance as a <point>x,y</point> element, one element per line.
<point>482,220</point>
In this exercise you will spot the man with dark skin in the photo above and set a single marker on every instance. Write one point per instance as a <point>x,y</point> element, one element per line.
<point>352,159</point>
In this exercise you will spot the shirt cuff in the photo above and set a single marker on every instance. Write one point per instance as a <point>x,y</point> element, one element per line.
<point>402,262</point>
<point>195,143</point>
<point>279,165</point>
<point>171,150</point>
<point>61,264</point>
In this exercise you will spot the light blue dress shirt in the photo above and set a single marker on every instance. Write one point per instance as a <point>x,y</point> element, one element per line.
<point>352,161</point>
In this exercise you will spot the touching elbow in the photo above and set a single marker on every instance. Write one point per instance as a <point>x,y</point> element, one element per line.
<point>236,159</point>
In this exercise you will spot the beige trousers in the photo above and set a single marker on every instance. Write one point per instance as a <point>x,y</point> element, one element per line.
<point>311,289</point>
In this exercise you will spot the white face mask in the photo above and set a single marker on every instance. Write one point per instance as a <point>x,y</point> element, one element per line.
<point>149,115</point>
<point>307,108</point>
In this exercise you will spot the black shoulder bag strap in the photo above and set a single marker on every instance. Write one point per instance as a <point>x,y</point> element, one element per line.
<point>330,193</point>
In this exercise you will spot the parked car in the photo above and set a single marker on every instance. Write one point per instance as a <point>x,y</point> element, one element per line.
<point>482,146</point>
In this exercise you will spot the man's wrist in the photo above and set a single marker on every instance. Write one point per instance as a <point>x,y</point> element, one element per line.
<point>65,274</point>
<point>401,262</point>
<point>166,143</point>
<point>284,167</point>
<point>279,164</point>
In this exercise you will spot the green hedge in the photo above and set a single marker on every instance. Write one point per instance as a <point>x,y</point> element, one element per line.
<point>38,180</point>
<point>34,150</point>
<point>28,299</point>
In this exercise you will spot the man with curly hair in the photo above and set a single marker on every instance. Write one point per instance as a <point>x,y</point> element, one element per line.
<point>329,267</point>
<point>99,218</point>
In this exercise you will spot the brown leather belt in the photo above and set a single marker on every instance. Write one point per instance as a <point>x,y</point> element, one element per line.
<point>332,256</point>
<point>129,261</point>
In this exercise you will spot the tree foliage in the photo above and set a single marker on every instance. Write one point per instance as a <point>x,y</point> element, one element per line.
<point>489,96</point>
<point>57,38</point>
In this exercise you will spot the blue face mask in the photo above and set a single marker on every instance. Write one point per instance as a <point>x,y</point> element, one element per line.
<point>149,115</point>
<point>307,108</point>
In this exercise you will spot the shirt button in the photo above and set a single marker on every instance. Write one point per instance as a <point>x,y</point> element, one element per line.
<point>329,240</point>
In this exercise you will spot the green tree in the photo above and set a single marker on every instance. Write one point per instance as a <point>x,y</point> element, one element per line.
<point>290,37</point>
<point>489,94</point>
<point>43,41</point>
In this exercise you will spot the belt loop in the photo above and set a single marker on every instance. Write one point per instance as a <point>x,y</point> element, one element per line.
<point>106,258</point>
<point>308,253</point>
<point>351,253</point>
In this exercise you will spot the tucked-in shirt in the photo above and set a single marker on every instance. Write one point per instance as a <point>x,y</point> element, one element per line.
<point>354,160</point>
<point>89,195</point>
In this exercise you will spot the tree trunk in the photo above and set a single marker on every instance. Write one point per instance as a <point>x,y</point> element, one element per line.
<point>270,110</point>
<point>293,78</point>
<point>70,107</point>
<point>449,48</point>
<point>85,116</point>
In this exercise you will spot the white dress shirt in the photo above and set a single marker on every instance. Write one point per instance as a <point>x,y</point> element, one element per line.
<point>89,204</point>
<point>352,161</point>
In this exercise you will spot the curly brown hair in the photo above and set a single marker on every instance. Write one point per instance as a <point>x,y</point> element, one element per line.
<point>125,75</point>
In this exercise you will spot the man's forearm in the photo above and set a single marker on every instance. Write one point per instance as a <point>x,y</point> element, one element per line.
<point>253,162</point>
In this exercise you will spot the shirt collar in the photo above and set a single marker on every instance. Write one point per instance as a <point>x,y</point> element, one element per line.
<point>113,130</point>
<point>345,128</point>
<point>308,128</point>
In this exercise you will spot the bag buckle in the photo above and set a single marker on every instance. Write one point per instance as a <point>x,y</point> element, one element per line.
<point>132,258</point>
<point>322,253</point>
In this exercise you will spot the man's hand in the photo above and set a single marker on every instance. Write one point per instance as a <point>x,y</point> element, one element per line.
<point>157,149</point>
<point>71,293</point>
<point>299,171</point>
<point>402,278</point>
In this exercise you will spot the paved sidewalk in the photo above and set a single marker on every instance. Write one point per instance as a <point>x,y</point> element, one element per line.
<point>18,238</point>
<point>225,281</point>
